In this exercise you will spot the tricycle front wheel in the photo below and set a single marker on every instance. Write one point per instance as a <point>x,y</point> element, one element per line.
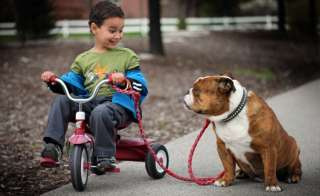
<point>152,167</point>
<point>79,166</point>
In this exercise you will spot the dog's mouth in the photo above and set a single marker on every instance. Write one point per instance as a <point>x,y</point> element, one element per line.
<point>186,105</point>
<point>188,101</point>
<point>189,108</point>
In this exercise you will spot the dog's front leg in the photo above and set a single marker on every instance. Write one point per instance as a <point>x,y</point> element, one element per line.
<point>269,158</point>
<point>229,165</point>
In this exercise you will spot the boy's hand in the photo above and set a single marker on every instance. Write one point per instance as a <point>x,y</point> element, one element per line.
<point>47,75</point>
<point>118,78</point>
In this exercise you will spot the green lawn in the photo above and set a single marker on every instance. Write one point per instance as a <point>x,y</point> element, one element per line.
<point>83,36</point>
<point>261,74</point>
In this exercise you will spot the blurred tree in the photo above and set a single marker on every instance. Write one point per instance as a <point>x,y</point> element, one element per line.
<point>258,7</point>
<point>281,16</point>
<point>219,8</point>
<point>313,15</point>
<point>155,37</point>
<point>34,19</point>
<point>89,3</point>
<point>303,15</point>
<point>6,11</point>
<point>186,9</point>
<point>182,14</point>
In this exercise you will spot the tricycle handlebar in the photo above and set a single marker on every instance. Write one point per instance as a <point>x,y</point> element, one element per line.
<point>80,100</point>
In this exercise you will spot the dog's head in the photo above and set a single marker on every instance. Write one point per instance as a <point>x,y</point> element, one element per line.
<point>210,95</point>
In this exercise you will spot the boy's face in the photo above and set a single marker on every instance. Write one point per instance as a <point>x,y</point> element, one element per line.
<point>109,34</point>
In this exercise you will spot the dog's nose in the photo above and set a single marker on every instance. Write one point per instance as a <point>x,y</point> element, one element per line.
<point>188,92</point>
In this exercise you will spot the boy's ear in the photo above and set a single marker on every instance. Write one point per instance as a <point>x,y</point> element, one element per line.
<point>93,28</point>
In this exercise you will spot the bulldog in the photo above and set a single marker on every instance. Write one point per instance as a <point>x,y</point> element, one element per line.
<point>248,133</point>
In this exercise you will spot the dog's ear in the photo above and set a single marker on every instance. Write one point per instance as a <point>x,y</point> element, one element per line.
<point>228,74</point>
<point>226,85</point>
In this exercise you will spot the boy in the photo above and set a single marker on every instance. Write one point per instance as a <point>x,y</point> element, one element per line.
<point>109,110</point>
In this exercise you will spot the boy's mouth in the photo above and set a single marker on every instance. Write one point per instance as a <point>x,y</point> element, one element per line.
<point>114,41</point>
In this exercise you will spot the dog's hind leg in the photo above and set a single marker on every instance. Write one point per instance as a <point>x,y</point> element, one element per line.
<point>283,174</point>
<point>294,171</point>
<point>240,174</point>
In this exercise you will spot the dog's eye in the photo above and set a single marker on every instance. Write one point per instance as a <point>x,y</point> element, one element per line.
<point>196,91</point>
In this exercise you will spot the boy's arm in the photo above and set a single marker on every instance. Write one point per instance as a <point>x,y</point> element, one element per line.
<point>56,88</point>
<point>137,80</point>
<point>74,83</point>
<point>134,74</point>
<point>73,79</point>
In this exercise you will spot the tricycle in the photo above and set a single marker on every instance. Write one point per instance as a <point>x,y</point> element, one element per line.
<point>81,159</point>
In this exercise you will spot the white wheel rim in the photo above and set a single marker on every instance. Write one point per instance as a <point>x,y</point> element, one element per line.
<point>84,170</point>
<point>161,154</point>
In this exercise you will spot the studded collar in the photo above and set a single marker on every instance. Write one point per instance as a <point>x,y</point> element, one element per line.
<point>239,107</point>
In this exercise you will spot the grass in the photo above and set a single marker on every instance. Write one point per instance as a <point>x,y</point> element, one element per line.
<point>7,39</point>
<point>83,36</point>
<point>261,74</point>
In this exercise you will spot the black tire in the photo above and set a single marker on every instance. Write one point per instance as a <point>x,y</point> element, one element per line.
<point>79,174</point>
<point>152,168</point>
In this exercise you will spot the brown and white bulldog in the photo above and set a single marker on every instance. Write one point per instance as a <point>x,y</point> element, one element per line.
<point>248,132</point>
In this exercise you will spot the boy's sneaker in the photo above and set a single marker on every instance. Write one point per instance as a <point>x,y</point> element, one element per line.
<point>50,155</point>
<point>105,163</point>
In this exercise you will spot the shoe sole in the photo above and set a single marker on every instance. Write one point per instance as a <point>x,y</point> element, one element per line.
<point>48,163</point>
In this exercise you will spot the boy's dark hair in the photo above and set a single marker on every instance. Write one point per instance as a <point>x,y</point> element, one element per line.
<point>104,10</point>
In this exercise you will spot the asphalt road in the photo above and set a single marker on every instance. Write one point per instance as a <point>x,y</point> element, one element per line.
<point>299,112</point>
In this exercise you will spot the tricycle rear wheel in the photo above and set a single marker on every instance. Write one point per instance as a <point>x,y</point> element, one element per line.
<point>152,167</point>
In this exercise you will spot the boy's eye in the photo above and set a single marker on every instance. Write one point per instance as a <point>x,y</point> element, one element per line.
<point>115,30</point>
<point>112,30</point>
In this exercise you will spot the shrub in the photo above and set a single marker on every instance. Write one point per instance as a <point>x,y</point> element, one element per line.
<point>34,19</point>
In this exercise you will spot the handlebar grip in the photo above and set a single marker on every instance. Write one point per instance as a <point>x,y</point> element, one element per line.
<point>109,78</point>
<point>52,79</point>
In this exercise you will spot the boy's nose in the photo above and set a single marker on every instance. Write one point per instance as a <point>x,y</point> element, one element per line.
<point>118,35</point>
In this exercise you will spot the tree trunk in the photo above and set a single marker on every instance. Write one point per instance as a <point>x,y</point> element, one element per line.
<point>314,30</point>
<point>191,6</point>
<point>182,14</point>
<point>281,16</point>
<point>226,7</point>
<point>313,17</point>
<point>187,8</point>
<point>155,38</point>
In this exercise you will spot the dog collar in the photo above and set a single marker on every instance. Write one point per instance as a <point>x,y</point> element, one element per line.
<point>239,107</point>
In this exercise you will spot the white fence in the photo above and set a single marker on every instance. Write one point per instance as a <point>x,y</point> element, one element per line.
<point>140,25</point>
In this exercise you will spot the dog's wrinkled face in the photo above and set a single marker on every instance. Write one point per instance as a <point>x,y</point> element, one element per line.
<point>210,95</point>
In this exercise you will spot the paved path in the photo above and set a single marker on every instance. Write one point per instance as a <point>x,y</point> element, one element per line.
<point>298,111</point>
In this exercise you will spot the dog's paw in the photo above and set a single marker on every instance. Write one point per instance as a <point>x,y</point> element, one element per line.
<point>221,183</point>
<point>273,188</point>
<point>294,179</point>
